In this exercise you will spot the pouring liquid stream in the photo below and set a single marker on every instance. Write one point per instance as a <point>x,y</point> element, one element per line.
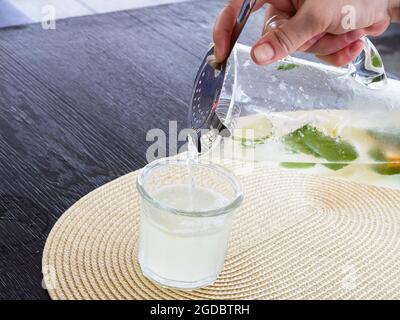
<point>192,156</point>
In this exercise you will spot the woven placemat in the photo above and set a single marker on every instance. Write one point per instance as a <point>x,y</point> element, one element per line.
<point>295,237</point>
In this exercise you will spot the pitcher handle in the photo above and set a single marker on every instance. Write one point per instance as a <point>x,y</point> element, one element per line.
<point>368,69</point>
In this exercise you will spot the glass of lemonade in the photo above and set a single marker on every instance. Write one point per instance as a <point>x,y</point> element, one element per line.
<point>186,219</point>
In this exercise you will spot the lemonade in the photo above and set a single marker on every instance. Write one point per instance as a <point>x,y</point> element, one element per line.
<point>180,249</point>
<point>185,222</point>
<point>362,147</point>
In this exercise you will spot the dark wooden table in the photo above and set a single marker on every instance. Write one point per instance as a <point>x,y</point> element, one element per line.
<point>75,106</point>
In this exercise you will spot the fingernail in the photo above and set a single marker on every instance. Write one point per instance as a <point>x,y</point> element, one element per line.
<point>264,53</point>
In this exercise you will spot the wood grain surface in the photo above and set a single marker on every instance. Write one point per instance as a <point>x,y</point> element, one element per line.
<point>75,106</point>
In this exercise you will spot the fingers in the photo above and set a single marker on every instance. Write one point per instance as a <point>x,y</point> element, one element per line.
<point>273,14</point>
<point>330,43</point>
<point>394,10</point>
<point>344,56</point>
<point>289,37</point>
<point>340,50</point>
<point>306,30</point>
<point>222,32</point>
<point>310,43</point>
<point>378,28</point>
<point>224,26</point>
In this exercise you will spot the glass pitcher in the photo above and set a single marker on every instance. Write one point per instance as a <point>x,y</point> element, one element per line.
<point>303,115</point>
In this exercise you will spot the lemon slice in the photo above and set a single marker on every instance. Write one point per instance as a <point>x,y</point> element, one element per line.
<point>252,130</point>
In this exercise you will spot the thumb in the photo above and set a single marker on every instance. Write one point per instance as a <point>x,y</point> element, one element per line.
<point>287,38</point>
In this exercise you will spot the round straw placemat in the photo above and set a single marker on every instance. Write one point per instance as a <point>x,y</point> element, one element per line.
<point>295,237</point>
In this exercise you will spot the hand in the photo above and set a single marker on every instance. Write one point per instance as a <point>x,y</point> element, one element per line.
<point>330,29</point>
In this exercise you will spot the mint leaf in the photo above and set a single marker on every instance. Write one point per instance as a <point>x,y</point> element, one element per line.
<point>309,140</point>
<point>335,166</point>
<point>287,66</point>
<point>376,62</point>
<point>386,169</point>
<point>297,165</point>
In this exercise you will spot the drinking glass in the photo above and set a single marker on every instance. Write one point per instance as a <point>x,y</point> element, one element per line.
<point>186,218</point>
